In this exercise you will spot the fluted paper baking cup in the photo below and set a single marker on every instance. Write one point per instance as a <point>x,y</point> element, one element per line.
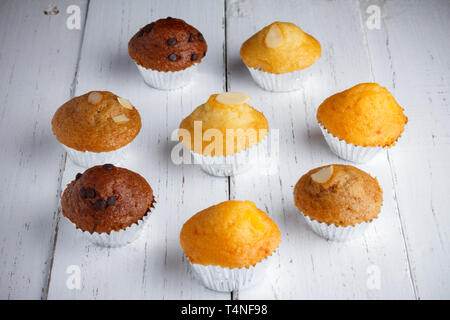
<point>169,80</point>
<point>229,279</point>
<point>88,159</point>
<point>349,151</point>
<point>336,233</point>
<point>117,238</point>
<point>234,164</point>
<point>282,82</point>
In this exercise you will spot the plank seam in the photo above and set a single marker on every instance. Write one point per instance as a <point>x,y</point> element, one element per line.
<point>233,294</point>
<point>402,229</point>
<point>62,167</point>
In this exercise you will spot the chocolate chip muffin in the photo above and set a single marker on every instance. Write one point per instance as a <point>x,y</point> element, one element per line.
<point>165,52</point>
<point>167,45</point>
<point>108,202</point>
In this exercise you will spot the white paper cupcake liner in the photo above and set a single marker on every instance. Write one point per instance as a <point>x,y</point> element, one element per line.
<point>170,80</point>
<point>226,280</point>
<point>118,238</point>
<point>349,151</point>
<point>89,159</point>
<point>277,82</point>
<point>223,166</point>
<point>337,233</point>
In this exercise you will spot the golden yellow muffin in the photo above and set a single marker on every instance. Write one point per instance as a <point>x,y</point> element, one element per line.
<point>98,121</point>
<point>280,48</point>
<point>223,112</point>
<point>231,234</point>
<point>338,194</point>
<point>365,115</point>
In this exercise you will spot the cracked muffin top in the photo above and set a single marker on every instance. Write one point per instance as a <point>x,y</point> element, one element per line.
<point>106,198</point>
<point>365,115</point>
<point>167,45</point>
<point>338,194</point>
<point>231,234</point>
<point>280,47</point>
<point>98,121</point>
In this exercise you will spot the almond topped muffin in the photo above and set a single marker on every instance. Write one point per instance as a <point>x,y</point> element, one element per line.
<point>228,244</point>
<point>276,54</point>
<point>98,121</point>
<point>95,127</point>
<point>280,47</point>
<point>336,199</point>
<point>227,135</point>
<point>223,113</point>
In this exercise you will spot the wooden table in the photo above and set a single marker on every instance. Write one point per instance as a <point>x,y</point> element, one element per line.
<point>43,63</point>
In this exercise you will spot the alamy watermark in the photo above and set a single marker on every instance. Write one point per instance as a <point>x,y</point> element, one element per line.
<point>73,281</point>
<point>373,21</point>
<point>234,146</point>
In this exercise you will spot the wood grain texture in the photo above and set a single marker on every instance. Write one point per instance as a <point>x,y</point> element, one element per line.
<point>308,267</point>
<point>38,56</point>
<point>154,266</point>
<point>410,53</point>
<point>44,64</point>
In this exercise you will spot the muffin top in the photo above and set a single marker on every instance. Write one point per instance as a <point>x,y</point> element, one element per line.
<point>98,121</point>
<point>225,113</point>
<point>280,48</point>
<point>167,45</point>
<point>365,115</point>
<point>106,198</point>
<point>338,194</point>
<point>231,234</point>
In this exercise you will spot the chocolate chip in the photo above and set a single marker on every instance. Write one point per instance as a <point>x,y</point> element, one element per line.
<point>171,41</point>
<point>87,193</point>
<point>108,166</point>
<point>194,57</point>
<point>146,29</point>
<point>172,57</point>
<point>83,193</point>
<point>200,37</point>
<point>100,204</point>
<point>78,176</point>
<point>169,18</point>
<point>90,193</point>
<point>111,201</point>
<point>204,53</point>
<point>191,38</point>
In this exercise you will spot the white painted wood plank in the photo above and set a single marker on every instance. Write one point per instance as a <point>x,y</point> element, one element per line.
<point>37,62</point>
<point>411,53</point>
<point>307,266</point>
<point>153,267</point>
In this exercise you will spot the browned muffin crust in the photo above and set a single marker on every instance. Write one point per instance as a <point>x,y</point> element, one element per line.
<point>106,198</point>
<point>167,45</point>
<point>349,197</point>
<point>86,126</point>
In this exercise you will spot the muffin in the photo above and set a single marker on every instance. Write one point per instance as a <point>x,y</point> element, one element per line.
<point>359,122</point>
<point>166,52</point>
<point>228,245</point>
<point>338,201</point>
<point>96,127</point>
<point>108,204</point>
<point>233,134</point>
<point>276,54</point>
